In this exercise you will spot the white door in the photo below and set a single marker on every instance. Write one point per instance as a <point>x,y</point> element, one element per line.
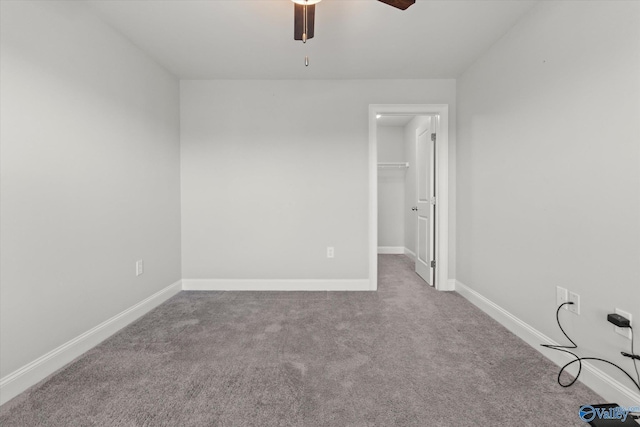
<point>425,205</point>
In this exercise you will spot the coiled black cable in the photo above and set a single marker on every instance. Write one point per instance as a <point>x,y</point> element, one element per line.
<point>578,359</point>
<point>632,355</point>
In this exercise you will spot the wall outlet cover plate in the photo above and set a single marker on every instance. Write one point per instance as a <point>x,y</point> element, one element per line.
<point>625,332</point>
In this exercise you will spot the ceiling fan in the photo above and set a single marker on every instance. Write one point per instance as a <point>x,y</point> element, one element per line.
<point>305,12</point>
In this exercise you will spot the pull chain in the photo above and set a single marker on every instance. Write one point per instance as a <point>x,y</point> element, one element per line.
<point>305,29</point>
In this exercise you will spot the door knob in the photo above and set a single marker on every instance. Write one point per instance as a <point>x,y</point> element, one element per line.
<point>415,208</point>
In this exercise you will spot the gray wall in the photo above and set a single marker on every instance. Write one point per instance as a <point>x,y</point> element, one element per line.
<point>549,171</point>
<point>273,172</point>
<point>391,187</point>
<point>90,177</point>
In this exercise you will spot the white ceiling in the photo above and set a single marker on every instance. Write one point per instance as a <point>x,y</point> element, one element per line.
<point>354,39</point>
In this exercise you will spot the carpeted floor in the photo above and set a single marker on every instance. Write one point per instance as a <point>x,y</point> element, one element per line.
<point>406,355</point>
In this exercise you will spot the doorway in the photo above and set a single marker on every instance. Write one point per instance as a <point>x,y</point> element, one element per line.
<point>420,165</point>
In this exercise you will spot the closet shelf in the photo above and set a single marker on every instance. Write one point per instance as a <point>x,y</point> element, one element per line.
<point>393,165</point>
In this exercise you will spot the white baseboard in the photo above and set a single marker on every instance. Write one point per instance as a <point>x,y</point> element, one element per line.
<point>31,373</point>
<point>594,378</point>
<point>410,253</point>
<point>275,285</point>
<point>451,285</point>
<point>390,250</point>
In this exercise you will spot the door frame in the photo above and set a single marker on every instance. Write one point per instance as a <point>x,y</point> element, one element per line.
<point>441,111</point>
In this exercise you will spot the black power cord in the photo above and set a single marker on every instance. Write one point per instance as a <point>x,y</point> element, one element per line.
<point>633,355</point>
<point>578,359</point>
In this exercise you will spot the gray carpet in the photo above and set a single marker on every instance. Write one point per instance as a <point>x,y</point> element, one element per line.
<point>406,355</point>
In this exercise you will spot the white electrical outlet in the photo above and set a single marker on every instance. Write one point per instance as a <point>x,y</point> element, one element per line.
<point>139,267</point>
<point>575,299</point>
<point>330,252</point>
<point>625,332</point>
<point>562,296</point>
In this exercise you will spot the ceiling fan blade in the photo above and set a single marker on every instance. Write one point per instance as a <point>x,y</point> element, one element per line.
<point>298,20</point>
<point>400,4</point>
